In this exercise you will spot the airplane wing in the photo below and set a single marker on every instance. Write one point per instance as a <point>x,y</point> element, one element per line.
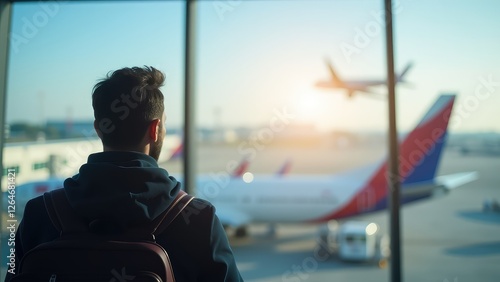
<point>453,181</point>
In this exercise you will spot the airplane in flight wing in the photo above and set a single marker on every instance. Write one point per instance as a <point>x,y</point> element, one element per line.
<point>361,86</point>
<point>317,199</point>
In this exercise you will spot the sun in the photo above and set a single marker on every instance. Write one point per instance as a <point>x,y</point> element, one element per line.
<point>307,104</point>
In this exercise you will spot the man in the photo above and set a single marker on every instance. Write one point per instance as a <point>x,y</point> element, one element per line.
<point>124,185</point>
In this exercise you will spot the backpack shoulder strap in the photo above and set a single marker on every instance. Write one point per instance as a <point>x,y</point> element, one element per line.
<point>66,221</point>
<point>61,213</point>
<point>163,220</point>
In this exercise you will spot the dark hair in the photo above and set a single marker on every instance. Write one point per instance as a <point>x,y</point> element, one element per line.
<point>125,103</point>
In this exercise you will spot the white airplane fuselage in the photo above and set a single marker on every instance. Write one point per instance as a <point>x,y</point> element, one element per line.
<point>270,199</point>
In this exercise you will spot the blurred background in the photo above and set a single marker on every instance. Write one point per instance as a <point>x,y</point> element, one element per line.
<point>262,61</point>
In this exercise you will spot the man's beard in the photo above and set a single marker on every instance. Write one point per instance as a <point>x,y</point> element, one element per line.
<point>155,148</point>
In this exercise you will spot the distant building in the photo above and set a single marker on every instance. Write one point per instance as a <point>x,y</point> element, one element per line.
<point>72,129</point>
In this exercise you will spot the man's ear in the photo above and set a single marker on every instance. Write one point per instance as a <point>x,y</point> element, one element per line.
<point>154,129</point>
<point>97,130</point>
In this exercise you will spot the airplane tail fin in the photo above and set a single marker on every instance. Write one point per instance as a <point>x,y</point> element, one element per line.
<point>241,168</point>
<point>178,152</point>
<point>421,149</point>
<point>285,168</point>
<point>335,78</point>
<point>419,155</point>
<point>400,77</point>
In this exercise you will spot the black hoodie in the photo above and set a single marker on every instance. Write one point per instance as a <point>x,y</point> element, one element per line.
<point>127,189</point>
<point>130,182</point>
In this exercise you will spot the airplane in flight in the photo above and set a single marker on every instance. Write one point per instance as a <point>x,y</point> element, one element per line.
<point>319,199</point>
<point>353,86</point>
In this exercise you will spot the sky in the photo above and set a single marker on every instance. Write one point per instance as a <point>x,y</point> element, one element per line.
<point>256,60</point>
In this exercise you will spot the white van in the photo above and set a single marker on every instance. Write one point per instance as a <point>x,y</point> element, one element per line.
<point>358,241</point>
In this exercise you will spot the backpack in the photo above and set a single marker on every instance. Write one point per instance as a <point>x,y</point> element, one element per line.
<point>80,255</point>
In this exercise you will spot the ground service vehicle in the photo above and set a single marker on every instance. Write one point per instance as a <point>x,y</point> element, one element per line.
<point>355,241</point>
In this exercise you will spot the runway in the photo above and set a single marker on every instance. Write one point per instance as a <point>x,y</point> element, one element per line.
<point>447,238</point>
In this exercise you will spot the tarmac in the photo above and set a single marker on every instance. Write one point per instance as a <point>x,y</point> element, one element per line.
<point>444,239</point>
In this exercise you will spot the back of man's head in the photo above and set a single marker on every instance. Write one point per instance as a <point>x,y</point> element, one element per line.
<point>125,103</point>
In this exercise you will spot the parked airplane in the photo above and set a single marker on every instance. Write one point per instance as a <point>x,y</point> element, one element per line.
<point>282,171</point>
<point>352,86</point>
<point>317,199</point>
<point>242,167</point>
<point>178,152</point>
<point>285,168</point>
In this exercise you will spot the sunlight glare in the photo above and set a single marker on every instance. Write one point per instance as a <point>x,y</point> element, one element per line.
<point>247,177</point>
<point>307,104</point>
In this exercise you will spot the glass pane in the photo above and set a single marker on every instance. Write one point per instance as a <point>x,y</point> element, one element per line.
<point>266,96</point>
<point>292,118</point>
<point>59,51</point>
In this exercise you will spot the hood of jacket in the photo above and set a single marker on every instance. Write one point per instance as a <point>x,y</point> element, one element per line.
<point>126,188</point>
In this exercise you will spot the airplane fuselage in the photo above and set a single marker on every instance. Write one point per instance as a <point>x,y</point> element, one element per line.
<point>297,199</point>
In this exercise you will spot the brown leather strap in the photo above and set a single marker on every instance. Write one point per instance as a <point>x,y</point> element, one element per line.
<point>180,202</point>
